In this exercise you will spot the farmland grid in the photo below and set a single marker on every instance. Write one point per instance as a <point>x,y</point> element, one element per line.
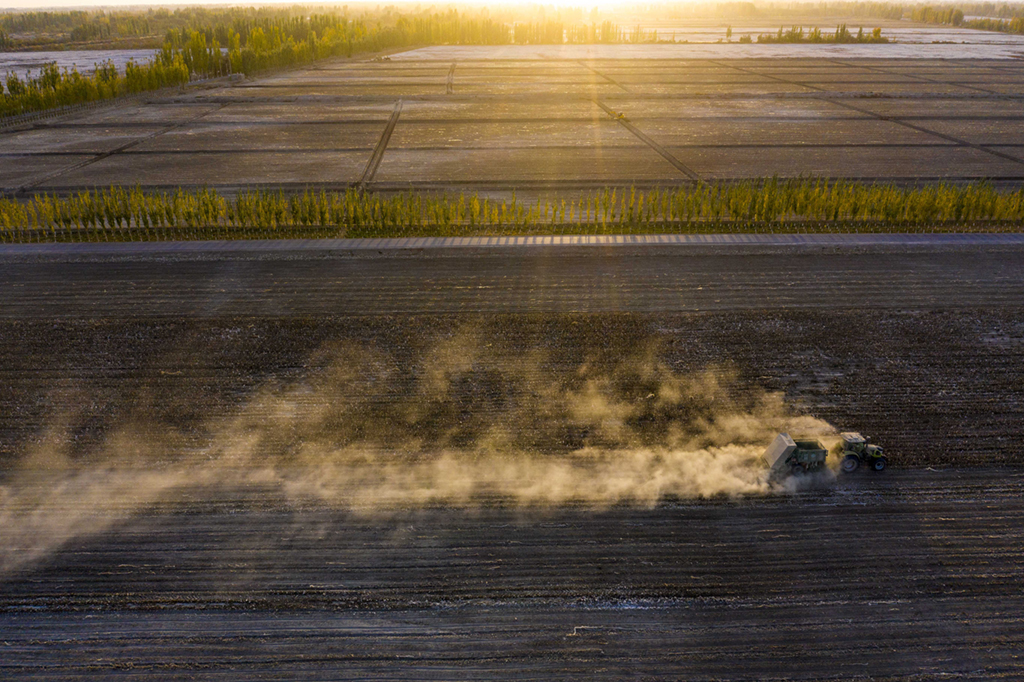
<point>543,126</point>
<point>916,340</point>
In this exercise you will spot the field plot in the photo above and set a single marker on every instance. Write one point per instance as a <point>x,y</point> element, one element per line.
<point>277,575</point>
<point>244,585</point>
<point>545,119</point>
<point>944,328</point>
<point>362,459</point>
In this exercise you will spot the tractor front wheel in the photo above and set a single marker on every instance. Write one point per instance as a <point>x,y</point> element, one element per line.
<point>850,463</point>
<point>879,464</point>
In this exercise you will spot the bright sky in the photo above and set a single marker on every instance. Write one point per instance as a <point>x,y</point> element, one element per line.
<point>64,4</point>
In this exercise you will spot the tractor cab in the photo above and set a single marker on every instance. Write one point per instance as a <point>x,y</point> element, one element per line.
<point>855,450</point>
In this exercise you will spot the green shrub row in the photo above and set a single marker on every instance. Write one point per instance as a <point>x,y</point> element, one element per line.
<point>193,53</point>
<point>1009,19</point>
<point>815,35</point>
<point>1012,25</point>
<point>55,88</point>
<point>773,205</point>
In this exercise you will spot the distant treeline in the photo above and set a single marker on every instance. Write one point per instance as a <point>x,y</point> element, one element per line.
<point>199,42</point>
<point>1014,25</point>
<point>25,29</point>
<point>1004,19</point>
<point>80,26</point>
<point>951,16</point>
<point>426,28</point>
<point>815,35</point>
<point>772,205</point>
<point>249,41</point>
<point>107,24</point>
<point>22,30</point>
<point>986,16</point>
<point>55,88</point>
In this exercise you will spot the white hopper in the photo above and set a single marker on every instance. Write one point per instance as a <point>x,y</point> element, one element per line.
<point>778,452</point>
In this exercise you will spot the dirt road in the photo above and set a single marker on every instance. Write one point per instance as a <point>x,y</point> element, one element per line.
<point>266,284</point>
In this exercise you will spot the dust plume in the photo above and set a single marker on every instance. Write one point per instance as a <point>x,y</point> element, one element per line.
<point>461,423</point>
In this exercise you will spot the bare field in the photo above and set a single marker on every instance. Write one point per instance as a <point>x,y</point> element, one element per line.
<point>603,133</point>
<point>231,467</point>
<point>469,168</point>
<point>246,138</point>
<point>245,168</point>
<point>942,328</point>
<point>136,550</point>
<point>539,463</point>
<point>932,162</point>
<point>770,134</point>
<point>912,577</point>
<point>897,119</point>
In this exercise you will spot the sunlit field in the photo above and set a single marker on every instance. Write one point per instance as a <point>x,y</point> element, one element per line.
<point>512,341</point>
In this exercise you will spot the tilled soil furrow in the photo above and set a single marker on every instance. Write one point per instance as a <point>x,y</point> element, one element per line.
<point>227,575</point>
<point>687,591</point>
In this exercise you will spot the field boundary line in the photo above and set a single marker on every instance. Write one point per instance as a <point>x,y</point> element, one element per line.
<point>378,152</point>
<point>910,75</point>
<point>764,75</point>
<point>838,101</point>
<point>640,135</point>
<point>558,147</point>
<point>24,189</point>
<point>607,78</point>
<point>949,138</point>
<point>340,246</point>
<point>449,85</point>
<point>1011,182</point>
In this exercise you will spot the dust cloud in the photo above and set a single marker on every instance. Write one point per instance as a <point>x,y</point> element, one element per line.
<point>460,424</point>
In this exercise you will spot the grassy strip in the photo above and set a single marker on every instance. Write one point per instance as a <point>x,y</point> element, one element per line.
<point>771,206</point>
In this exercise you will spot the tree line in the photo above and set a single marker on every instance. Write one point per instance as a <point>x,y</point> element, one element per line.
<point>773,205</point>
<point>1012,25</point>
<point>249,42</point>
<point>986,17</point>
<point>52,87</point>
<point>70,27</point>
<point>815,35</point>
<point>208,42</point>
<point>90,25</point>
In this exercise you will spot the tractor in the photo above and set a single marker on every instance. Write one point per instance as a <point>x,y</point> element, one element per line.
<point>855,450</point>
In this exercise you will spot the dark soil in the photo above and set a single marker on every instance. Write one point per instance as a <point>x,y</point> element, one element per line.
<point>938,388</point>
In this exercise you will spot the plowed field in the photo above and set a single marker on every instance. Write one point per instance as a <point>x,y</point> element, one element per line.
<point>160,516</point>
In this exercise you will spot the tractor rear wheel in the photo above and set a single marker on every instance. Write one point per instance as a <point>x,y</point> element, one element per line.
<point>798,470</point>
<point>850,464</point>
<point>879,464</point>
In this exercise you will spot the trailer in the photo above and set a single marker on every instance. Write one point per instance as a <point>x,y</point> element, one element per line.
<point>787,457</point>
